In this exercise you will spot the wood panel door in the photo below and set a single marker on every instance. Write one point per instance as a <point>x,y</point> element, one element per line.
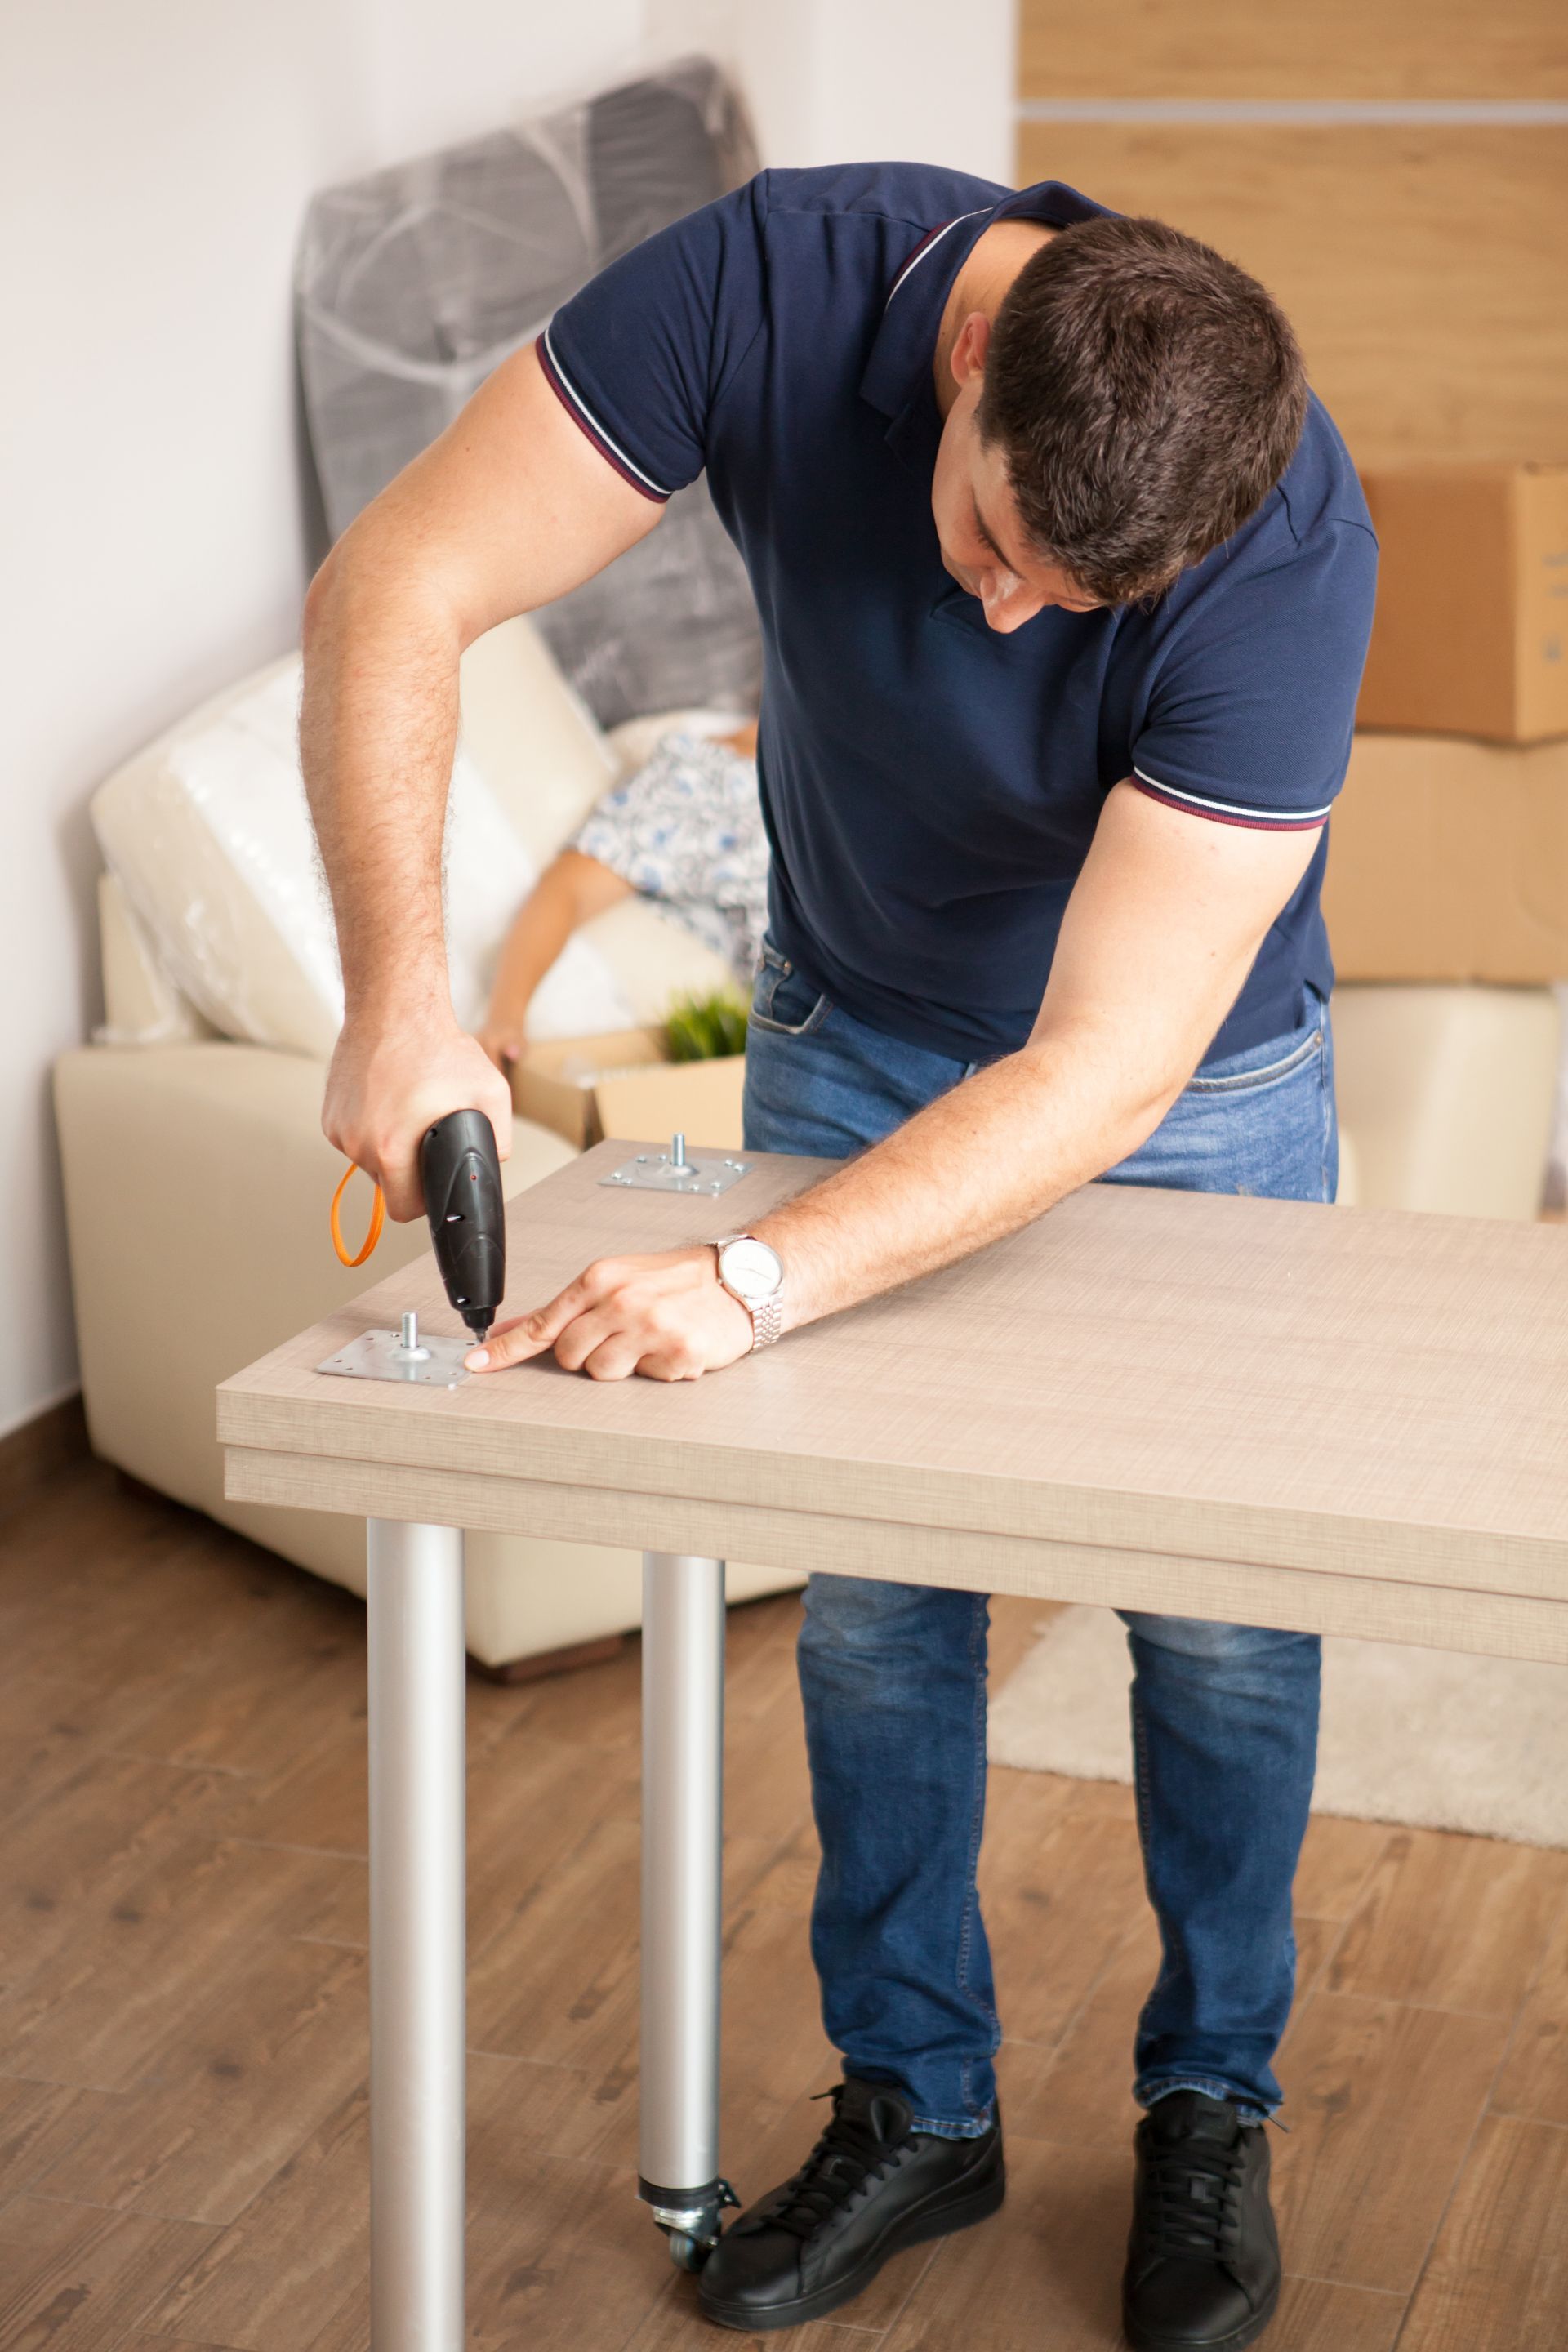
<point>1398,176</point>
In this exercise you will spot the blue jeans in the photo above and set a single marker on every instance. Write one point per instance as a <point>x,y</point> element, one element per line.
<point>1225,1717</point>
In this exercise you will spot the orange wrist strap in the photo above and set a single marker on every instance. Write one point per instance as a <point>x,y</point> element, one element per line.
<point>377,1219</point>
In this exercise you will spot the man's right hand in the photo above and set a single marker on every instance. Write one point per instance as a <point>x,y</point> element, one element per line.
<point>386,1085</point>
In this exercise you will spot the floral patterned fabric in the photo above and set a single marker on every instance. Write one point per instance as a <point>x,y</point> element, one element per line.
<point>686,830</point>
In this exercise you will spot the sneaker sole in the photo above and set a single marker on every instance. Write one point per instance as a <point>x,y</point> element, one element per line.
<point>914,2231</point>
<point>1144,2339</point>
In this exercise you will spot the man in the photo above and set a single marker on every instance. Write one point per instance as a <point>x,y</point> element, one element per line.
<point>1065,584</point>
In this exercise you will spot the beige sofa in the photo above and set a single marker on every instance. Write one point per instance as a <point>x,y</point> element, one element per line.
<point>1445,1097</point>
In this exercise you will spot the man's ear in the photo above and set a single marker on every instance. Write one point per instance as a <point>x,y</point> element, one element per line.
<point>969,349</point>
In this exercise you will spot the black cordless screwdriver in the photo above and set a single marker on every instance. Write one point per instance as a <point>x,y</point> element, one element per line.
<point>461,1172</point>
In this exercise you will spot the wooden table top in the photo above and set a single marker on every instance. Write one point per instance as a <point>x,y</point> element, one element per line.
<point>1356,1419</point>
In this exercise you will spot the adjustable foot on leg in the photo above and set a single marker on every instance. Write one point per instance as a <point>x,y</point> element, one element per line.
<point>692,2218</point>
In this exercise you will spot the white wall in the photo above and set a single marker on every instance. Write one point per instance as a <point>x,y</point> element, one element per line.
<point>156,162</point>
<point>157,159</point>
<point>923,80</point>
<point>926,81</point>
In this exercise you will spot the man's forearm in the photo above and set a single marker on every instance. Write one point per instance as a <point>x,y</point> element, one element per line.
<point>377,734</point>
<point>998,1151</point>
<point>510,508</point>
<point>1164,922</point>
<point>1163,927</point>
<point>979,1162</point>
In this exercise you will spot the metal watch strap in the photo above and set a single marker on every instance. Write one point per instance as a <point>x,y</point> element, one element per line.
<point>767,1322</point>
<point>767,1316</point>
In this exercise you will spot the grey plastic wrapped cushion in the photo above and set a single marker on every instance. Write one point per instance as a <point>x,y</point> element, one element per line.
<point>414,283</point>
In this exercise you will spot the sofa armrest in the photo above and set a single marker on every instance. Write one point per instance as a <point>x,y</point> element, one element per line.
<point>197,1185</point>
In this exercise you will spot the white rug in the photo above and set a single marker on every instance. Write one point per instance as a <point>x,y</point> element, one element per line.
<point>1433,1737</point>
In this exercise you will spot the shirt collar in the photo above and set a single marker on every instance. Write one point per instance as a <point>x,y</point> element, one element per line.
<point>900,365</point>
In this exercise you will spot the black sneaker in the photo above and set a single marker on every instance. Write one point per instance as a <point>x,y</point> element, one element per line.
<point>869,2188</point>
<point>1203,2265</point>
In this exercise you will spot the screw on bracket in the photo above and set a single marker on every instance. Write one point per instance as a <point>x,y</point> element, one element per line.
<point>409,1345</point>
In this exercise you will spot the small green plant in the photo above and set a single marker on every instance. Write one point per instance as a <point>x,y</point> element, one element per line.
<point>705,1028</point>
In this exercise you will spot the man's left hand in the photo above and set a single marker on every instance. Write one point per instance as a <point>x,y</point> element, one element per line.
<point>667,1316</point>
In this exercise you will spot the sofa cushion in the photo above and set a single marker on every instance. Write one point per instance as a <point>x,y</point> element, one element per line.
<point>208,834</point>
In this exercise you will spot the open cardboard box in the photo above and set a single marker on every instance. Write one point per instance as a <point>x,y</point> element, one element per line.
<point>622,1084</point>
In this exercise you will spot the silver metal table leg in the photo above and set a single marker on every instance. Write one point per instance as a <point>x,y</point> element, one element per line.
<point>418,1872</point>
<point>682,1817</point>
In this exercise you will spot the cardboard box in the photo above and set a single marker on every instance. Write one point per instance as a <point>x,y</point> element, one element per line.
<point>1448,861</point>
<point>1471,630</point>
<point>620,1084</point>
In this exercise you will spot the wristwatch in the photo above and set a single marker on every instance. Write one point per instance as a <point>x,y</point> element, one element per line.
<point>752,1273</point>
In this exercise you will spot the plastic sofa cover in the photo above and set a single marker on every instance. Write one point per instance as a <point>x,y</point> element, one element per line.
<point>207,834</point>
<point>414,282</point>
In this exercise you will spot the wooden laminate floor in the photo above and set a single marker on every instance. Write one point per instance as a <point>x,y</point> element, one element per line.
<point>183,2145</point>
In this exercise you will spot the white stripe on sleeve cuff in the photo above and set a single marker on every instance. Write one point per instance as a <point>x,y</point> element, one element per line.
<point>593,426</point>
<point>1245,811</point>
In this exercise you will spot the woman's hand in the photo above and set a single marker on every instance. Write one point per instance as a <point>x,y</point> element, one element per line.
<point>667,1317</point>
<point>503,1039</point>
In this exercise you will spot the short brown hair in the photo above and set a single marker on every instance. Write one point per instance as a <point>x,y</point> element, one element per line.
<point>1146,396</point>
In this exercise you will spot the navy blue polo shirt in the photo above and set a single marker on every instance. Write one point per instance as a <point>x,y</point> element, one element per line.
<point>930,788</point>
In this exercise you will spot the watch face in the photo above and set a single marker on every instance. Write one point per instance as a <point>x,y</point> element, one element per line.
<point>751,1268</point>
